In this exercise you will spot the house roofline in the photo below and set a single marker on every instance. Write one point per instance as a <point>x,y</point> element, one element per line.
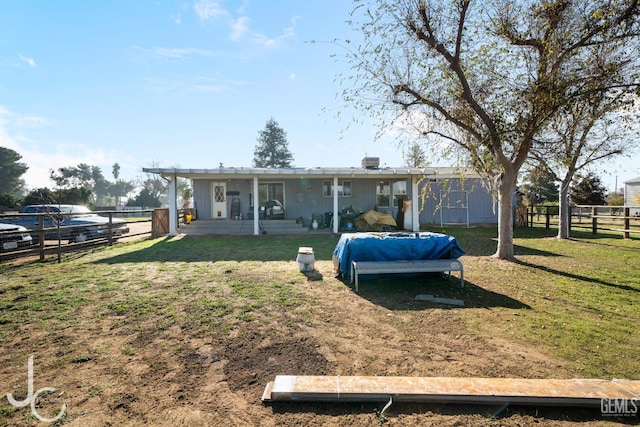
<point>344,172</point>
<point>243,172</point>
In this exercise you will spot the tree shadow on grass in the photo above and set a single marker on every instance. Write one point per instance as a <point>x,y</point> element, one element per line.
<point>484,249</point>
<point>399,293</point>
<point>577,276</point>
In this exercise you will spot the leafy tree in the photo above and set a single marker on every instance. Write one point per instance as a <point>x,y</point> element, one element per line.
<point>588,190</point>
<point>154,185</point>
<point>272,150</point>
<point>539,187</point>
<point>145,199</point>
<point>593,128</point>
<point>40,196</point>
<point>76,196</point>
<point>115,170</point>
<point>120,189</point>
<point>488,76</point>
<point>71,196</point>
<point>184,190</point>
<point>614,199</point>
<point>8,201</point>
<point>83,176</point>
<point>90,178</point>
<point>11,170</point>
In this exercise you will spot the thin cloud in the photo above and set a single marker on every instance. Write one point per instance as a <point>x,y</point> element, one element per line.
<point>187,86</point>
<point>29,61</point>
<point>208,9</point>
<point>17,120</point>
<point>207,88</point>
<point>239,28</point>
<point>271,43</point>
<point>32,121</point>
<point>179,53</point>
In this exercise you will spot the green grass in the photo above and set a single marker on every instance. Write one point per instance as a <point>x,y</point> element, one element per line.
<point>582,297</point>
<point>577,299</point>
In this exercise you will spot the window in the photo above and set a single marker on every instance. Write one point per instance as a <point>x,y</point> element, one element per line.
<point>399,193</point>
<point>344,188</point>
<point>270,191</point>
<point>386,192</point>
<point>383,193</point>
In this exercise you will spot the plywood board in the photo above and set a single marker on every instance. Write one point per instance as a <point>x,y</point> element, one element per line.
<point>570,392</point>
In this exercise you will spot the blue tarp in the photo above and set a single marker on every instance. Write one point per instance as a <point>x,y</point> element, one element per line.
<point>392,247</point>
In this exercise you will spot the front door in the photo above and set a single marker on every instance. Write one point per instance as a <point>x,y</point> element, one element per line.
<point>218,200</point>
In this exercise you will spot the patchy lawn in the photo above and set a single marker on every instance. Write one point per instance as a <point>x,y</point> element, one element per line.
<point>188,331</point>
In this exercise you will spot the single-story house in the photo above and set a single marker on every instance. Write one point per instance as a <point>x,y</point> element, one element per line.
<point>421,195</point>
<point>632,194</point>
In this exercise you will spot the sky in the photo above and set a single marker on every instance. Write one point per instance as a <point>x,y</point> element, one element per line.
<point>183,83</point>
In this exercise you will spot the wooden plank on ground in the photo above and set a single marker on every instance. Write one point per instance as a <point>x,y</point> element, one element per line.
<point>568,392</point>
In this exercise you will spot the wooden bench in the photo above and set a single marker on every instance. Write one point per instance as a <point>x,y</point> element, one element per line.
<point>406,266</point>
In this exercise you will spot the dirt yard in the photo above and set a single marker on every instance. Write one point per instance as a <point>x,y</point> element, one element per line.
<point>112,369</point>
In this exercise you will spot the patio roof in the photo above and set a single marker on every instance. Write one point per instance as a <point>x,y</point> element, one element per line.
<point>246,172</point>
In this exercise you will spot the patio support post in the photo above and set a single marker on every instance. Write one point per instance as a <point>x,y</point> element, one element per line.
<point>415,193</point>
<point>173,205</point>
<point>336,218</point>
<point>256,208</point>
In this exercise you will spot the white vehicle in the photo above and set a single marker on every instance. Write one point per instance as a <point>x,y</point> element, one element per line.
<point>14,237</point>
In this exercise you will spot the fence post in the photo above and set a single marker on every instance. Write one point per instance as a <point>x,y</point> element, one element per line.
<point>110,228</point>
<point>594,220</point>
<point>548,218</point>
<point>41,236</point>
<point>626,222</point>
<point>570,218</point>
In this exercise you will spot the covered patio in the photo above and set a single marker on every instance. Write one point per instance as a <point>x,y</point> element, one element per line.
<point>307,195</point>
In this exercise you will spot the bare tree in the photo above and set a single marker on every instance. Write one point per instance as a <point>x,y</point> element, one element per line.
<point>588,131</point>
<point>489,75</point>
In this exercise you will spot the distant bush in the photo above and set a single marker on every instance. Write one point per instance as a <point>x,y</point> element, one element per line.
<point>615,200</point>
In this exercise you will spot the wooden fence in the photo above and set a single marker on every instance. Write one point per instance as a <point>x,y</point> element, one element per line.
<point>45,246</point>
<point>622,219</point>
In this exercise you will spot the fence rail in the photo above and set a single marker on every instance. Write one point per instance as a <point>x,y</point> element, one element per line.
<point>48,240</point>
<point>622,219</point>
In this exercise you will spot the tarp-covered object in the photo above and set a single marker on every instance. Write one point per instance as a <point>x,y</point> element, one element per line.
<point>392,247</point>
<point>373,218</point>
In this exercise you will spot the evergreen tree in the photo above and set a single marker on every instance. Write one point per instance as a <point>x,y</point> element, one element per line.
<point>11,171</point>
<point>272,150</point>
<point>415,156</point>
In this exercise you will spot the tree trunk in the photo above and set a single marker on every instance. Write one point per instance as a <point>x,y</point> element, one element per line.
<point>506,184</point>
<point>564,219</point>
